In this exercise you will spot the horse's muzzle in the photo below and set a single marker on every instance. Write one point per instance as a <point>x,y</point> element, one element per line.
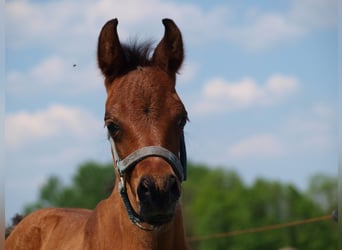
<point>158,197</point>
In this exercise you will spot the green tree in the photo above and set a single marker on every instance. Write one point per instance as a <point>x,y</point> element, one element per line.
<point>216,201</point>
<point>211,201</point>
<point>323,191</point>
<point>91,183</point>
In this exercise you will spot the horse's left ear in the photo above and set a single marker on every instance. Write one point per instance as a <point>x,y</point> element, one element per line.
<point>169,53</point>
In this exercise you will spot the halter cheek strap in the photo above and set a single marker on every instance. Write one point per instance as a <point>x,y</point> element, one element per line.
<point>178,165</point>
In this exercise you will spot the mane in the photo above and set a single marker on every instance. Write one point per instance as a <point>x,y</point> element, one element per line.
<point>137,54</point>
<point>15,221</point>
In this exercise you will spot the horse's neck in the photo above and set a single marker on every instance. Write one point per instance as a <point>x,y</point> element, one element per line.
<point>114,230</point>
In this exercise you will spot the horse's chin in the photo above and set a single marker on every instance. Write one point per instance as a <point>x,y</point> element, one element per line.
<point>159,220</point>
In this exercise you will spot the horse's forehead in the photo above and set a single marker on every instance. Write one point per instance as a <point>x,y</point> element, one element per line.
<point>142,84</point>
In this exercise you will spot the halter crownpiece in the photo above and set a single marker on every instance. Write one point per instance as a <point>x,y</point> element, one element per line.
<point>178,164</point>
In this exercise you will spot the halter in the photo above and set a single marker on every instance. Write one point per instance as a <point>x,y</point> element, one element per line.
<point>178,165</point>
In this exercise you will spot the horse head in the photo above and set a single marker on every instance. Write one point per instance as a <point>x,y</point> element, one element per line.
<point>145,119</point>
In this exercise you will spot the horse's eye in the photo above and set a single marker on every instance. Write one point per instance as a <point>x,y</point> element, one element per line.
<point>182,122</point>
<point>113,128</point>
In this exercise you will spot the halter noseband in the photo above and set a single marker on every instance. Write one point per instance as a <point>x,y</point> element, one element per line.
<point>178,164</point>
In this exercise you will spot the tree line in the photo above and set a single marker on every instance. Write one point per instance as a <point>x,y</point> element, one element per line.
<point>216,200</point>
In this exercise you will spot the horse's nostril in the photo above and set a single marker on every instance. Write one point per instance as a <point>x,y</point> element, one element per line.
<point>173,188</point>
<point>145,188</point>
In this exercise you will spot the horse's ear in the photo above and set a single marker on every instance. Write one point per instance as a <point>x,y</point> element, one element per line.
<point>169,53</point>
<point>110,55</point>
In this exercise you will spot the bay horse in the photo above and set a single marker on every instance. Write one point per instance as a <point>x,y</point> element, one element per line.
<point>145,119</point>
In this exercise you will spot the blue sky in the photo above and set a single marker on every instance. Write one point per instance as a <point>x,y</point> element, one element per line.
<point>259,82</point>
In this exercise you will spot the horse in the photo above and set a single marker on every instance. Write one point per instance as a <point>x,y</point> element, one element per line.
<point>145,119</point>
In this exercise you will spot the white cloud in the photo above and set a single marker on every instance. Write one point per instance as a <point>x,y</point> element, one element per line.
<point>64,23</point>
<point>314,13</point>
<point>257,146</point>
<point>314,131</point>
<point>280,85</point>
<point>24,128</point>
<point>219,95</point>
<point>188,72</point>
<point>265,31</point>
<point>54,75</point>
<point>261,30</point>
<point>52,68</point>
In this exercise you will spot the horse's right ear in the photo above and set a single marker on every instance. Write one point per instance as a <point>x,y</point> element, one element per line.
<point>110,55</point>
<point>169,53</point>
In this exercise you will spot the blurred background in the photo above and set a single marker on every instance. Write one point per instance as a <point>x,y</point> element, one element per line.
<point>260,86</point>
